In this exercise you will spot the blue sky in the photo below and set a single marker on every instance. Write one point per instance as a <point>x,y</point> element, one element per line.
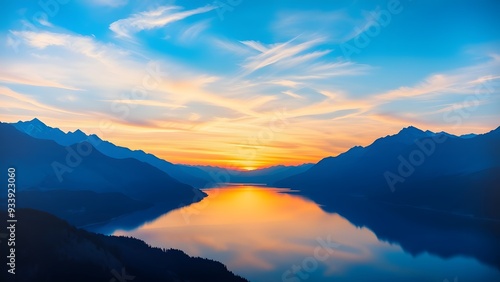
<point>202,82</point>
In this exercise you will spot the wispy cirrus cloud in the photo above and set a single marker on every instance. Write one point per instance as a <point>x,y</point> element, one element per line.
<point>469,93</point>
<point>85,45</point>
<point>299,60</point>
<point>336,27</point>
<point>275,53</point>
<point>434,85</point>
<point>32,80</point>
<point>192,32</point>
<point>331,24</point>
<point>106,74</point>
<point>464,80</point>
<point>21,101</point>
<point>109,3</point>
<point>223,81</point>
<point>159,17</point>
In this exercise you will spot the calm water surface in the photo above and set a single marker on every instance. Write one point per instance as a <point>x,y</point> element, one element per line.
<point>265,234</point>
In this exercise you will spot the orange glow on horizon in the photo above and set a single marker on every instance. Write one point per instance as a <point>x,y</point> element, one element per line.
<point>234,148</point>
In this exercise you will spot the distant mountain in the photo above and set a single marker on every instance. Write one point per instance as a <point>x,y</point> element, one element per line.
<point>470,135</point>
<point>422,169</point>
<point>49,249</point>
<point>38,129</point>
<point>43,165</point>
<point>262,176</point>
<point>196,176</point>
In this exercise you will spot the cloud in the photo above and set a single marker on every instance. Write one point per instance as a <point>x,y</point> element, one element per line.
<point>109,3</point>
<point>276,53</point>
<point>44,21</point>
<point>32,80</point>
<point>234,47</point>
<point>293,62</point>
<point>286,83</point>
<point>335,26</point>
<point>23,102</point>
<point>110,76</point>
<point>152,19</point>
<point>291,94</point>
<point>360,26</point>
<point>255,45</point>
<point>151,103</point>
<point>331,24</point>
<point>470,93</point>
<point>86,45</point>
<point>466,80</point>
<point>435,84</point>
<point>227,93</point>
<point>193,32</point>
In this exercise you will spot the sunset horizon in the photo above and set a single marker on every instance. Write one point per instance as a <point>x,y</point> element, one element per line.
<point>181,82</point>
<point>232,165</point>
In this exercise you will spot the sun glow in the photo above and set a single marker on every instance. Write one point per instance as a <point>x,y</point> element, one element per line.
<point>260,221</point>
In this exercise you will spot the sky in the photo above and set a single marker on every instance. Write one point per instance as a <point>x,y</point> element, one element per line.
<point>249,84</point>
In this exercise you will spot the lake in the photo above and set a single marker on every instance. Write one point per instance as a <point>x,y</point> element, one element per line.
<point>268,234</point>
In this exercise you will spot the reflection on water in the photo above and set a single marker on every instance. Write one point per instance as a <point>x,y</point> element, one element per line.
<point>266,235</point>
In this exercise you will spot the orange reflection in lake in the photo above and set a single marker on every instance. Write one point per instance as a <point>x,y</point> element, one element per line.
<point>252,228</point>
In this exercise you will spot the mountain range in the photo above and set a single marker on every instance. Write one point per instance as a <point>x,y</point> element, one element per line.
<point>86,180</point>
<point>267,175</point>
<point>44,166</point>
<point>39,130</point>
<point>415,179</point>
<point>196,176</point>
<point>415,168</point>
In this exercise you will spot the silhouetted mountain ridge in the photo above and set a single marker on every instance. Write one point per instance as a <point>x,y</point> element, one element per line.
<point>267,175</point>
<point>43,165</point>
<point>38,129</point>
<point>424,169</point>
<point>196,176</point>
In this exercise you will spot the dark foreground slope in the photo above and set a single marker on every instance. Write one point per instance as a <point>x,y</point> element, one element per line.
<point>49,249</point>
